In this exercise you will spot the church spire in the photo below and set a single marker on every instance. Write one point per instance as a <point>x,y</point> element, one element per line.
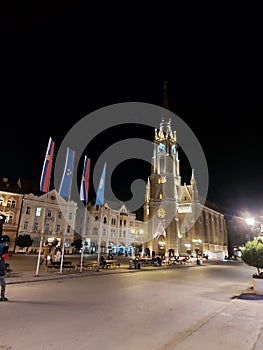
<point>165,96</point>
<point>195,195</point>
<point>165,105</point>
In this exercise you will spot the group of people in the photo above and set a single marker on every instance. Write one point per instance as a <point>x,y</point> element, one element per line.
<point>103,260</point>
<point>51,254</point>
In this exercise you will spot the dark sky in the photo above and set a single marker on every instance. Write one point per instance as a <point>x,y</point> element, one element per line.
<point>61,62</point>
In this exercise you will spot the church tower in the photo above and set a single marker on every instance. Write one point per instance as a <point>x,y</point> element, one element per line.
<point>177,220</point>
<point>163,188</point>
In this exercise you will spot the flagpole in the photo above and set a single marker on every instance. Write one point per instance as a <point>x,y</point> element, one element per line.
<point>64,240</point>
<point>44,187</point>
<point>83,235</point>
<point>65,190</point>
<point>99,241</point>
<point>84,189</point>
<point>64,235</point>
<point>41,238</point>
<point>100,201</point>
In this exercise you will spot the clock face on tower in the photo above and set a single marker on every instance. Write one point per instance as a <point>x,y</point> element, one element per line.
<point>161,213</point>
<point>161,147</point>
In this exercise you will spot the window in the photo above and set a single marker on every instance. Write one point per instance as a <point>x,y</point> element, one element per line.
<point>94,231</point>
<point>70,216</point>
<point>49,214</point>
<point>59,214</point>
<point>68,229</point>
<point>13,204</point>
<point>162,180</point>
<point>10,219</point>
<point>58,228</point>
<point>35,226</point>
<point>25,225</point>
<point>1,200</point>
<point>28,210</point>
<point>38,211</point>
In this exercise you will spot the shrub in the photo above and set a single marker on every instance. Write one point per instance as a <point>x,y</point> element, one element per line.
<point>252,255</point>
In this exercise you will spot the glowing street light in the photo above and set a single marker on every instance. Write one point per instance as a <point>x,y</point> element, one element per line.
<point>250,221</point>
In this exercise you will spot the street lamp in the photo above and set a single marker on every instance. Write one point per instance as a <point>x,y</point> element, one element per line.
<point>137,238</point>
<point>255,225</point>
<point>197,243</point>
<point>250,221</point>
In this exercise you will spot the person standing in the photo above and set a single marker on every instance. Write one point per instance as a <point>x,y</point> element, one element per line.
<point>58,255</point>
<point>2,276</point>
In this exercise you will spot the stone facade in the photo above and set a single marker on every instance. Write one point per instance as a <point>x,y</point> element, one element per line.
<point>11,200</point>
<point>116,231</point>
<point>177,220</point>
<point>48,215</point>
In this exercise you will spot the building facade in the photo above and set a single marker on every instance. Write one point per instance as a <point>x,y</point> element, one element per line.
<point>48,215</point>
<point>175,219</point>
<point>11,201</point>
<point>115,231</point>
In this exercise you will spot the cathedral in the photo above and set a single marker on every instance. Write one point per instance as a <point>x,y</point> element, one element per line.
<point>177,221</point>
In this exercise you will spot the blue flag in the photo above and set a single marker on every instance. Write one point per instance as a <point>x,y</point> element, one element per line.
<point>65,186</point>
<point>101,188</point>
<point>84,188</point>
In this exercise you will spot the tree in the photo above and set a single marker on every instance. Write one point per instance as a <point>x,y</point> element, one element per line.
<point>23,241</point>
<point>252,254</point>
<point>77,244</point>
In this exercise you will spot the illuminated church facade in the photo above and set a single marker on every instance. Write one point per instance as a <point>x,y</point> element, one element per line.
<point>177,221</point>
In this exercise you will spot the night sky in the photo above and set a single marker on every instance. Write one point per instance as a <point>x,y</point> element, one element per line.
<point>61,62</point>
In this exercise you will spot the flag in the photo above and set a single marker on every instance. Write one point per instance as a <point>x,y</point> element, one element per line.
<point>100,192</point>
<point>65,186</point>
<point>84,188</point>
<point>47,167</point>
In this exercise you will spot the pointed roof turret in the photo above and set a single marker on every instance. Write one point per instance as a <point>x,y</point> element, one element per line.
<point>195,195</point>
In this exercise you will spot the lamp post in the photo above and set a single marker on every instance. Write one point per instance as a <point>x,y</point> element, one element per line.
<point>197,248</point>
<point>137,236</point>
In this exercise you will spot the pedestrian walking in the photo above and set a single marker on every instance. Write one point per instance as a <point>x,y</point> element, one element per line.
<point>3,257</point>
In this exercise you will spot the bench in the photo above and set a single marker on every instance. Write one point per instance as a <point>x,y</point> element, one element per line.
<point>112,264</point>
<point>56,266</point>
<point>179,260</point>
<point>92,265</point>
